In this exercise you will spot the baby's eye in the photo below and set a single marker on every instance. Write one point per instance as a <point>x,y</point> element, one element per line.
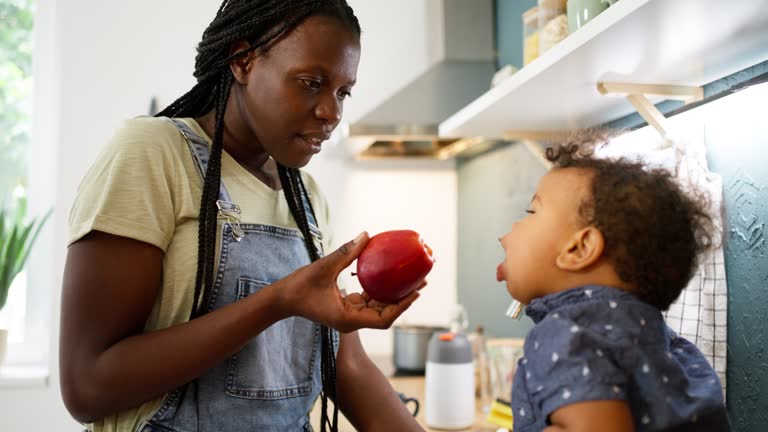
<point>530,211</point>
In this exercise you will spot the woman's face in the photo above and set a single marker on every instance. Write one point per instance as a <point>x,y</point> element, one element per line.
<point>293,96</point>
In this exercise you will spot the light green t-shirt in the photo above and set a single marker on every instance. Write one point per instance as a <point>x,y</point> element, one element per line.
<point>145,185</point>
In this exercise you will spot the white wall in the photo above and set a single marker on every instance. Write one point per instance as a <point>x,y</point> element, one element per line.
<point>113,56</point>
<point>379,196</point>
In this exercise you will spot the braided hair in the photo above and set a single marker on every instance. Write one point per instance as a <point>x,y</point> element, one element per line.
<point>261,23</point>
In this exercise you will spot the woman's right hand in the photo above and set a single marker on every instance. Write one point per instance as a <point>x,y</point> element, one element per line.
<point>312,292</point>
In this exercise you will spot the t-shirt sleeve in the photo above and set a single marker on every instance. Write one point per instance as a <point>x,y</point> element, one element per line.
<point>128,191</point>
<point>565,364</point>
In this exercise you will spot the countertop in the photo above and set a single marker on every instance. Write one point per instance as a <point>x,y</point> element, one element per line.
<point>412,386</point>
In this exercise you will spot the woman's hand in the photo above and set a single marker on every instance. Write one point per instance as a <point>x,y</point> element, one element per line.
<point>312,292</point>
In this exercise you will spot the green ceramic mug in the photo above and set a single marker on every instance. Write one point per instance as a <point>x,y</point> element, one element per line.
<point>581,11</point>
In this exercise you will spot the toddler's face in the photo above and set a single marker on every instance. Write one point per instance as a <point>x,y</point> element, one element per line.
<point>534,242</point>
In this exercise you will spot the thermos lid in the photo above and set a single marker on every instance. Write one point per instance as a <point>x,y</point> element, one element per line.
<point>449,348</point>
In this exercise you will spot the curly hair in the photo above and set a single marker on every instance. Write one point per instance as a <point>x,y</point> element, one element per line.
<point>654,231</point>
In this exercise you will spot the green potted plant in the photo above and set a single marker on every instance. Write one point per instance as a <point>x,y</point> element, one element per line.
<point>17,235</point>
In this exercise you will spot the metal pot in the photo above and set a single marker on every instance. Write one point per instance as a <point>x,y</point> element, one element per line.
<point>410,348</point>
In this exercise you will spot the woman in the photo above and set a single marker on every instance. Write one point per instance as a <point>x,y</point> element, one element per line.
<point>251,346</point>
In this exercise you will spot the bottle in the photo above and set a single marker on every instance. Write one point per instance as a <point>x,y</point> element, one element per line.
<point>476,340</point>
<point>482,368</point>
<point>530,35</point>
<point>450,382</point>
<point>553,23</point>
<point>459,321</point>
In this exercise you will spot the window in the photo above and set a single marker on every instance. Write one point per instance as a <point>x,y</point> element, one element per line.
<point>26,314</point>
<point>15,91</point>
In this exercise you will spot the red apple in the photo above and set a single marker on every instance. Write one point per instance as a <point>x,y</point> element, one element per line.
<point>394,264</point>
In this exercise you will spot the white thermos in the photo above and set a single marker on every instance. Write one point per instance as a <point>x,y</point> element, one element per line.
<point>450,382</point>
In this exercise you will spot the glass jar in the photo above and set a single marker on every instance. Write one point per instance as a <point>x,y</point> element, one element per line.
<point>530,35</point>
<point>553,23</point>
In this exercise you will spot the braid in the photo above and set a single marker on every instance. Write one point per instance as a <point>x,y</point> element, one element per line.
<point>212,182</point>
<point>328,358</point>
<point>294,190</point>
<point>261,24</point>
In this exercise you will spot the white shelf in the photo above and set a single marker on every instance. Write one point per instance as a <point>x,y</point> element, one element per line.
<point>685,42</point>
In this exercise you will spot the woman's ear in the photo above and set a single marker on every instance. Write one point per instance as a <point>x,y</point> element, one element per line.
<point>241,66</point>
<point>584,249</point>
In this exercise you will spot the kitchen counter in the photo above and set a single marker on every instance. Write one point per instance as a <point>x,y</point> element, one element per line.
<point>412,387</point>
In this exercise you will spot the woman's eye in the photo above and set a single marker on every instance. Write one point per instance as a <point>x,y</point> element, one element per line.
<point>312,84</point>
<point>344,94</point>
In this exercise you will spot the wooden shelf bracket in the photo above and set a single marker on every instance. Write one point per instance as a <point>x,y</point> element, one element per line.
<point>637,94</point>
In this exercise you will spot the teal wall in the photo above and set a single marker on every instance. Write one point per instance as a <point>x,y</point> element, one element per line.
<point>494,190</point>
<point>509,30</point>
<point>738,150</point>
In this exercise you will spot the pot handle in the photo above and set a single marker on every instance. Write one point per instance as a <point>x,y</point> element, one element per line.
<point>406,400</point>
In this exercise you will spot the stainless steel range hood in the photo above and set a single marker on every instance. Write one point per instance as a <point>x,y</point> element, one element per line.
<point>406,124</point>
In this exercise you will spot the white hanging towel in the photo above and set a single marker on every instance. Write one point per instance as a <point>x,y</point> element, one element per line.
<point>700,314</point>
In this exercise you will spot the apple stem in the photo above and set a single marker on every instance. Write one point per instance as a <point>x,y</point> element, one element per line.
<point>354,274</point>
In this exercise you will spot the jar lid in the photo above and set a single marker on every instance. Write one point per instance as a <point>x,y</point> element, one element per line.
<point>531,14</point>
<point>553,4</point>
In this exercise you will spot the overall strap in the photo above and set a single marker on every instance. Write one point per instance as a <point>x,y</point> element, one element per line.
<point>201,154</point>
<point>311,220</point>
<point>198,147</point>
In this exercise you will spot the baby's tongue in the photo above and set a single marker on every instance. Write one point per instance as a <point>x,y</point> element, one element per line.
<point>499,273</point>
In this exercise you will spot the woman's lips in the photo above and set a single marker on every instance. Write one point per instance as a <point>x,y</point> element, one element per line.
<point>314,144</point>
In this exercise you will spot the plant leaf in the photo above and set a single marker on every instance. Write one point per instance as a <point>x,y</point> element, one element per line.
<point>2,227</point>
<point>6,265</point>
<point>20,247</point>
<point>16,241</point>
<point>21,210</point>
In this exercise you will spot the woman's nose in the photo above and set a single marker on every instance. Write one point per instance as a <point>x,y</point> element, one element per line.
<point>329,110</point>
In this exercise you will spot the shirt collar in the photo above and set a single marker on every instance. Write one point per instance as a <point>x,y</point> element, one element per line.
<point>539,307</point>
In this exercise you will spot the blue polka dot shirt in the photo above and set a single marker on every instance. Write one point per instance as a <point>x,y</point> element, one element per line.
<point>600,343</point>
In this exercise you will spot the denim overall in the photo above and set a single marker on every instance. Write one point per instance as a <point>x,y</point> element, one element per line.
<point>272,383</point>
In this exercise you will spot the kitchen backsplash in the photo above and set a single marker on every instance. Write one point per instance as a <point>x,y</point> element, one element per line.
<point>495,189</point>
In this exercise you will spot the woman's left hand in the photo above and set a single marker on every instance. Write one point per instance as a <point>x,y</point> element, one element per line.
<point>361,308</point>
<point>312,292</point>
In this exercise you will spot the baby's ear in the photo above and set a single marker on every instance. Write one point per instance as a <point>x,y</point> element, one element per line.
<point>584,249</point>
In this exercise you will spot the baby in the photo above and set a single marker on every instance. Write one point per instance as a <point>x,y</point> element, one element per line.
<point>606,246</point>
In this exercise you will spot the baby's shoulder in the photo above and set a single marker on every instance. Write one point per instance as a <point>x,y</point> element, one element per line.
<point>599,328</point>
